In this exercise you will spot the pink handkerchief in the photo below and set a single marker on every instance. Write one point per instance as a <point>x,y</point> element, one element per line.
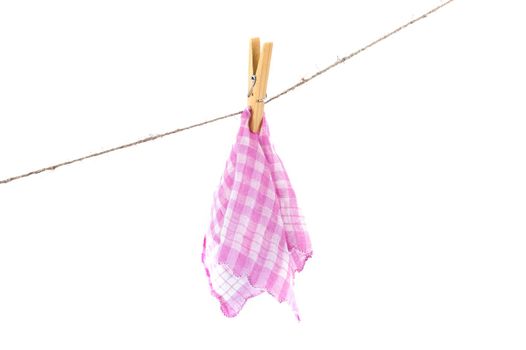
<point>257,239</point>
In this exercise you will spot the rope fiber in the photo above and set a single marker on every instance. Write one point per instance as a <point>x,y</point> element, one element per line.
<point>286,91</point>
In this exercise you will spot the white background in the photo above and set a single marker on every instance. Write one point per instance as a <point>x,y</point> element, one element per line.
<point>408,162</point>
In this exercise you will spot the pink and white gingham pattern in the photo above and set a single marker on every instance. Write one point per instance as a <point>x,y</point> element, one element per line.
<point>257,239</point>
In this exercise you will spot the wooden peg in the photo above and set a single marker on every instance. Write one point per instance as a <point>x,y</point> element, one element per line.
<point>258,67</point>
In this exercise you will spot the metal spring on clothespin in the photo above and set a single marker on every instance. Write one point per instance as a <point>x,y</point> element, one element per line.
<point>253,78</point>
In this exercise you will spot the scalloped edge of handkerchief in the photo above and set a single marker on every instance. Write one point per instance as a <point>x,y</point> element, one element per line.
<point>223,304</point>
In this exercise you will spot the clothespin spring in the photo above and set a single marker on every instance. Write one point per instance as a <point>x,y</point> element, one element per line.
<point>250,92</point>
<point>253,78</point>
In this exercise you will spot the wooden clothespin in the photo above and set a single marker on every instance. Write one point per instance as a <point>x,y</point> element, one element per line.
<point>258,69</point>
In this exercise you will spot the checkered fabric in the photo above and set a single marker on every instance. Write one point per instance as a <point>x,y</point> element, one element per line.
<point>257,239</point>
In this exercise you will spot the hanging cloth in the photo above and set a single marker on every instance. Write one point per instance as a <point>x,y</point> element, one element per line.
<point>256,241</point>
